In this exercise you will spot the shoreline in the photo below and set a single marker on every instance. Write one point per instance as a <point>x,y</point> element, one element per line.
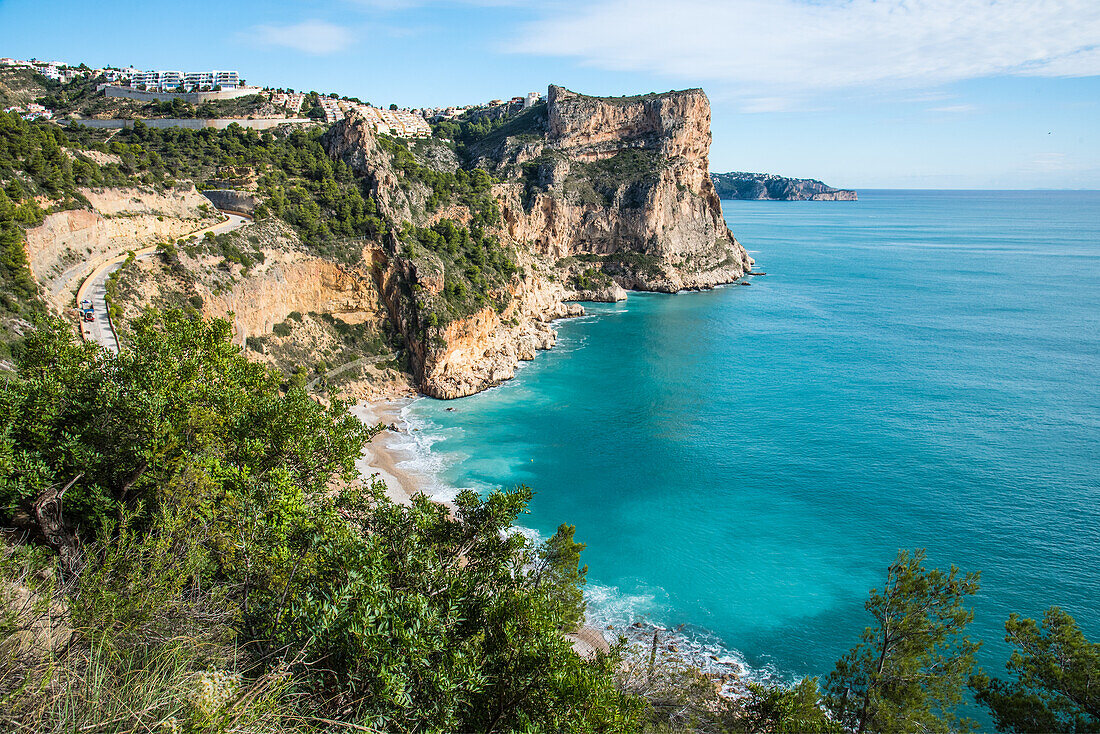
<point>383,456</point>
<point>387,457</point>
<point>396,458</point>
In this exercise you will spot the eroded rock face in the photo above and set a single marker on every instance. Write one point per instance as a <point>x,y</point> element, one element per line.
<point>288,308</point>
<point>232,200</point>
<point>66,247</point>
<point>628,178</point>
<point>484,349</point>
<point>590,128</point>
<point>292,282</point>
<point>614,188</point>
<point>354,141</point>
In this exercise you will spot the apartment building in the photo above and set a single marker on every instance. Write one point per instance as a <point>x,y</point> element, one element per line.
<point>292,101</point>
<point>227,79</point>
<point>398,123</point>
<point>198,79</point>
<point>115,75</point>
<point>332,109</point>
<point>166,81</point>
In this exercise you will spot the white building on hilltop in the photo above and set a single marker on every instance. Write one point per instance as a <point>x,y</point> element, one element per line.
<point>332,110</point>
<point>292,101</point>
<point>168,81</point>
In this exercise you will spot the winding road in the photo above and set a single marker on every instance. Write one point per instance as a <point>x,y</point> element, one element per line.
<point>94,287</point>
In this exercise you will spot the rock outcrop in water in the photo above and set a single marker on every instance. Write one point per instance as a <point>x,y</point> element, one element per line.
<point>769,187</point>
<point>595,196</point>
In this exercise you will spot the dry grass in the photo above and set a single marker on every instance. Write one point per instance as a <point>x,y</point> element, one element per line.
<point>93,655</point>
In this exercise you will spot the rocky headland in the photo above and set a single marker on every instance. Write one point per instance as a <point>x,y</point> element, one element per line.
<point>591,197</point>
<point>769,187</point>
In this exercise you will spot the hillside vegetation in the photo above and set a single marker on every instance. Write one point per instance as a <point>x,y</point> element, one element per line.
<point>41,171</point>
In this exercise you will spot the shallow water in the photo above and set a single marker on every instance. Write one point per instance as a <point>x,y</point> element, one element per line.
<point>917,369</point>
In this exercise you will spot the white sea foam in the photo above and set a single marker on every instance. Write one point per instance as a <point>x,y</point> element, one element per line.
<point>636,615</point>
<point>419,435</point>
<point>533,536</point>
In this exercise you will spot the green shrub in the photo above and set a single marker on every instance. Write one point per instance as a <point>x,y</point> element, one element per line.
<point>232,576</point>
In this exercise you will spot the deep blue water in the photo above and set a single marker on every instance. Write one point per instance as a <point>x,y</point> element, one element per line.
<point>916,369</point>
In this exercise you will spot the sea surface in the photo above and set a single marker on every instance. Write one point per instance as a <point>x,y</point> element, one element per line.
<point>918,369</point>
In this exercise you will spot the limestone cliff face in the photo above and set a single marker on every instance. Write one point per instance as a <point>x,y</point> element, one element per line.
<point>469,354</point>
<point>290,282</point>
<point>484,349</point>
<point>353,140</point>
<point>289,308</point>
<point>589,128</point>
<point>596,195</point>
<point>625,178</point>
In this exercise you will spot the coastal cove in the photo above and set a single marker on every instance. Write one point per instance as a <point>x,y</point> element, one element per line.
<point>917,369</point>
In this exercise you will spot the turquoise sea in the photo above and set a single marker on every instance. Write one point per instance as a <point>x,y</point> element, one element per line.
<point>916,369</point>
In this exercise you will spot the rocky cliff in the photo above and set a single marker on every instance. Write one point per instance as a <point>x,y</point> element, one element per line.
<point>769,187</point>
<point>446,258</point>
<point>622,178</point>
<point>575,199</point>
<point>289,308</point>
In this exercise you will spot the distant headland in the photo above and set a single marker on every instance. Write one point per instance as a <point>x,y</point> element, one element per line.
<point>769,187</point>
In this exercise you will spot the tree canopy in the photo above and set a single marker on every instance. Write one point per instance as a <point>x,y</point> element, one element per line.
<point>909,670</point>
<point>1056,684</point>
<point>195,489</point>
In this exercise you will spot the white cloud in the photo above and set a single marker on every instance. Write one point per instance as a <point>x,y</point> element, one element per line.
<point>778,47</point>
<point>955,109</point>
<point>310,36</point>
<point>765,104</point>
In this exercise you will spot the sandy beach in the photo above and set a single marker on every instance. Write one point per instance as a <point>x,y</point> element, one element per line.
<point>383,456</point>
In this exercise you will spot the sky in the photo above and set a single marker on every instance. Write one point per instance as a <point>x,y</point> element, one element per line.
<point>1000,94</point>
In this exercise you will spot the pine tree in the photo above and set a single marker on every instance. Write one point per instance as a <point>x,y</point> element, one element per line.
<point>909,671</point>
<point>1057,678</point>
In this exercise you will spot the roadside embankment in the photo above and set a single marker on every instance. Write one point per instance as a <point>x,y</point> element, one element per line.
<point>70,244</point>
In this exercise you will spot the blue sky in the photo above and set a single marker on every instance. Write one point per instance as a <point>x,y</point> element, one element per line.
<point>860,93</point>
